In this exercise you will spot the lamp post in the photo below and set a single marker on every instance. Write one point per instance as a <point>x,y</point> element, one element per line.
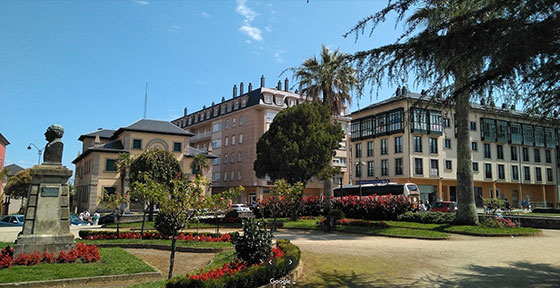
<point>39,151</point>
<point>358,164</point>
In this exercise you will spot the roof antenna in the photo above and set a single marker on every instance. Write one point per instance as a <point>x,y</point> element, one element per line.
<point>146,100</point>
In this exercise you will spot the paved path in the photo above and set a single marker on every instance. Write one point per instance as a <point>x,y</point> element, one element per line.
<point>462,261</point>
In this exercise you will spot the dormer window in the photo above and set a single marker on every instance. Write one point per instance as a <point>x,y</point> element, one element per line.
<point>292,102</point>
<point>243,103</point>
<point>278,100</point>
<point>268,99</point>
<point>223,109</point>
<point>236,105</point>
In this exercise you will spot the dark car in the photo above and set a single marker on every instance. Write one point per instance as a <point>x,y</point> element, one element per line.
<point>11,220</point>
<point>444,206</point>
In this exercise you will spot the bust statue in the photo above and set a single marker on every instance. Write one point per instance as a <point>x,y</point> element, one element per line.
<point>53,149</point>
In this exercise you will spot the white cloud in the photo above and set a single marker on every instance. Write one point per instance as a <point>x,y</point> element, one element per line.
<point>267,28</point>
<point>252,32</point>
<point>245,11</point>
<point>248,41</point>
<point>205,15</point>
<point>278,56</point>
<point>141,2</point>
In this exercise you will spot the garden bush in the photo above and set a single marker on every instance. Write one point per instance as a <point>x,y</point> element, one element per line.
<point>372,207</point>
<point>254,246</point>
<point>497,222</point>
<point>427,217</point>
<point>84,253</point>
<point>250,276</point>
<point>108,235</point>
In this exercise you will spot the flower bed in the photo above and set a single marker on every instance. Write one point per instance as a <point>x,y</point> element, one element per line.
<point>237,274</point>
<point>108,235</point>
<point>361,223</point>
<point>82,252</point>
<point>427,217</point>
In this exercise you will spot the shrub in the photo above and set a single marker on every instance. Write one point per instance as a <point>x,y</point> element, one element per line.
<point>492,204</point>
<point>167,224</point>
<point>107,235</point>
<point>361,223</point>
<point>255,244</point>
<point>372,207</point>
<point>498,222</point>
<point>428,217</point>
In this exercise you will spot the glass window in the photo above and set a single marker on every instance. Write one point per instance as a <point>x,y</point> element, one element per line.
<point>488,170</point>
<point>501,172</point>
<point>473,125</point>
<point>435,122</point>
<point>539,136</point>
<point>538,174</point>
<point>500,151</point>
<point>448,165</point>
<point>513,153</point>
<point>240,120</point>
<point>226,159</point>
<point>474,146</point>
<point>216,161</point>
<point>398,144</point>
<point>488,129</point>
<point>383,146</point>
<point>370,148</point>
<point>515,133</point>
<point>434,167</point>
<point>417,143</point>
<point>367,127</point>
<point>514,172</point>
<point>548,156</point>
<point>239,157</point>
<point>358,150</point>
<point>419,120</point>
<point>528,135</point>
<point>381,124</point>
<point>549,175</point>
<point>233,122</point>
<point>227,124</point>
<point>236,105</point>
<point>110,165</point>
<point>418,166</point>
<point>270,116</point>
<point>217,127</point>
<point>232,176</point>
<point>223,109</point>
<point>502,130</point>
<point>225,176</point>
<point>226,141</point>
<point>239,175</point>
<point>370,169</point>
<point>549,135</point>
<point>447,143</point>
<point>395,120</point>
<point>446,122</point>
<point>487,153</point>
<point>537,155</point>
<point>177,147</point>
<point>355,132</point>
<point>384,167</point>
<point>475,166</point>
<point>398,166</point>
<point>137,144</point>
<point>527,173</point>
<point>433,145</point>
<point>240,139</point>
<point>232,157</point>
<point>525,154</point>
<point>358,170</point>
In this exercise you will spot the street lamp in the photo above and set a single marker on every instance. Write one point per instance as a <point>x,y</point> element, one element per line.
<point>358,163</point>
<point>39,151</point>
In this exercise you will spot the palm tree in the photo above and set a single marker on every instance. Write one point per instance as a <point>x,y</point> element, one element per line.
<point>330,80</point>
<point>123,164</point>
<point>200,164</point>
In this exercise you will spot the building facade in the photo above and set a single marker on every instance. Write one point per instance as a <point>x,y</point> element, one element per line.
<point>3,143</point>
<point>11,206</point>
<point>233,127</point>
<point>96,171</point>
<point>408,139</point>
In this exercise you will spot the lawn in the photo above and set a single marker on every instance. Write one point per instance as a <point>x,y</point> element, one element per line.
<point>537,214</point>
<point>181,243</point>
<point>149,225</point>
<point>114,261</point>
<point>487,231</point>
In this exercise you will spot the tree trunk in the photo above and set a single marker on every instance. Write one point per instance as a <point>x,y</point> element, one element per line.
<point>151,210</point>
<point>172,257</point>
<point>466,210</point>
<point>143,221</point>
<point>297,206</point>
<point>118,219</point>
<point>327,191</point>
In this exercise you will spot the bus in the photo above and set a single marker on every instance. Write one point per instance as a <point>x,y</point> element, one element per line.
<point>408,189</point>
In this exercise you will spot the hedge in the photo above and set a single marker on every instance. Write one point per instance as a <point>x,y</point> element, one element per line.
<point>254,276</point>
<point>427,217</point>
<point>85,234</point>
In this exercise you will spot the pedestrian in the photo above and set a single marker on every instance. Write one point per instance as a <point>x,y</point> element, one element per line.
<point>95,218</point>
<point>507,206</point>
<point>428,205</point>
<point>422,207</point>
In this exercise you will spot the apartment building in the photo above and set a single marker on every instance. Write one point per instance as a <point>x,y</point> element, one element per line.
<point>96,171</point>
<point>232,127</point>
<point>3,143</point>
<point>408,139</point>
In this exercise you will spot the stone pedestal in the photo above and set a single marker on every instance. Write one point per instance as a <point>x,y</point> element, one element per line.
<point>47,215</point>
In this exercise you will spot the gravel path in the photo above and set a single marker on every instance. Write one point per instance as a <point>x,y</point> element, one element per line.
<point>462,261</point>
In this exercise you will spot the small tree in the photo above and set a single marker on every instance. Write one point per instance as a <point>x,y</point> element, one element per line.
<point>123,164</point>
<point>117,203</point>
<point>176,210</point>
<point>255,244</point>
<point>219,203</point>
<point>200,164</point>
<point>288,193</point>
<point>149,193</point>
<point>18,185</point>
<point>491,205</point>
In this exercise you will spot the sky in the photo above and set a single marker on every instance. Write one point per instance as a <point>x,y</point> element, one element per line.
<point>85,64</point>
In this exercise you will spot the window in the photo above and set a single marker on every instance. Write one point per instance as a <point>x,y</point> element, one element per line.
<point>384,167</point>
<point>232,139</point>
<point>223,109</point>
<point>549,136</point>
<point>487,151</point>
<point>538,174</point>
<point>370,148</point>
<point>355,130</point>
<point>434,167</point>
<point>383,146</point>
<point>226,159</point>
<point>236,105</point>
<point>367,127</point>
<point>501,172</point>
<point>395,120</point>
<point>528,135</point>
<point>109,191</point>
<point>475,166</point>
<point>548,156</point>
<point>217,143</point>
<point>217,127</point>
<point>232,158</point>
<point>527,173</point>
<point>239,157</point>
<point>417,143</point>
<point>381,124</point>
<point>473,125</point>
<point>501,132</point>
<point>227,124</point>
<point>177,146</point>
<point>488,170</point>
<point>433,145</point>
<point>232,176</point>
<point>447,143</point>
<point>525,154</point>
<point>513,153</point>
<point>215,112</point>
<point>240,139</point>
<point>435,122</point>
<point>420,120</point>
<point>398,166</point>
<point>110,165</point>
<point>515,133</point>
<point>358,150</point>
<point>488,129</point>
<point>514,172</point>
<point>539,136</point>
<point>225,176</point>
<point>370,169</point>
<point>233,122</point>
<point>239,175</point>
<point>226,141</point>
<point>216,176</point>
<point>448,165</point>
<point>398,144</point>
<point>500,151</point>
<point>270,116</point>
<point>549,175</point>
<point>136,144</point>
<point>240,120</point>
<point>446,122</point>
<point>358,170</point>
<point>474,146</point>
<point>216,161</point>
<point>418,166</point>
<point>537,155</point>
<point>229,110</point>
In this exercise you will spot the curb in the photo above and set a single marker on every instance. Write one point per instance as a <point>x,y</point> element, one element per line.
<point>161,247</point>
<point>85,280</point>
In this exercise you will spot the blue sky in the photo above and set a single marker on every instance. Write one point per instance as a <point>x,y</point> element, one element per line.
<point>84,64</point>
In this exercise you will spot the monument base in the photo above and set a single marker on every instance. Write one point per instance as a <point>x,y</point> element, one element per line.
<point>29,244</point>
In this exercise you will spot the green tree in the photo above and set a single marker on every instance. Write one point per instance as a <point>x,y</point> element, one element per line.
<point>116,203</point>
<point>159,165</point>
<point>184,200</point>
<point>149,193</point>
<point>220,202</point>
<point>18,185</point>
<point>330,79</point>
<point>300,143</point>
<point>199,164</point>
<point>284,195</point>
<point>123,164</point>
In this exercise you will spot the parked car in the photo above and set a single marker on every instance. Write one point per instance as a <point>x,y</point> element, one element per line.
<point>11,221</point>
<point>240,208</point>
<point>75,221</point>
<point>444,206</point>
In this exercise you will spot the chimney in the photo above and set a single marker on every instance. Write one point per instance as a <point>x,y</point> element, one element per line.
<point>512,107</point>
<point>482,101</point>
<point>262,81</point>
<point>223,99</point>
<point>203,107</point>
<point>250,87</point>
<point>213,104</point>
<point>185,111</point>
<point>398,92</point>
<point>286,84</point>
<point>97,139</point>
<point>241,88</point>
<point>234,90</point>
<point>504,106</point>
<point>404,91</point>
<point>279,86</point>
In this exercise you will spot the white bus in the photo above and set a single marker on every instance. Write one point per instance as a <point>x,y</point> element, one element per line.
<point>408,189</point>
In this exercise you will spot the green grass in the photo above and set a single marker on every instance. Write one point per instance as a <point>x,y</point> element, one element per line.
<point>181,243</point>
<point>114,261</point>
<point>537,214</point>
<point>487,231</point>
<point>414,225</point>
<point>4,244</point>
<point>149,225</point>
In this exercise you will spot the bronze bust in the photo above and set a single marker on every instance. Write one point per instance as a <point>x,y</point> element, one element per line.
<point>53,150</point>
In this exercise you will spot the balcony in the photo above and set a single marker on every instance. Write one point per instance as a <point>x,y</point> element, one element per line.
<point>201,136</point>
<point>434,172</point>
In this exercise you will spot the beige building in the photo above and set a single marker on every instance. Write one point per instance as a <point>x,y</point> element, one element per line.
<point>232,128</point>
<point>406,139</point>
<point>96,170</point>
